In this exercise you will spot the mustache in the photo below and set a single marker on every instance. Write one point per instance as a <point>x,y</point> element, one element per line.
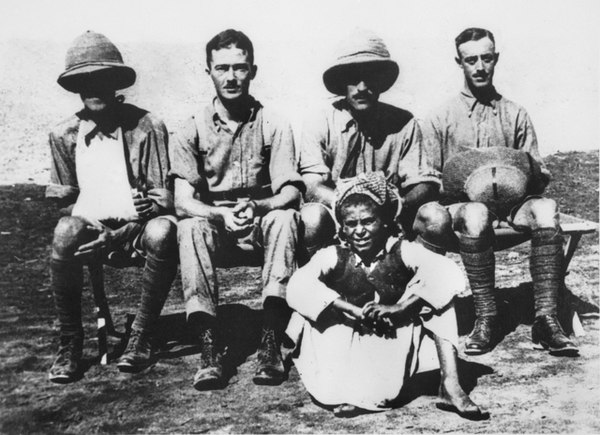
<point>362,94</point>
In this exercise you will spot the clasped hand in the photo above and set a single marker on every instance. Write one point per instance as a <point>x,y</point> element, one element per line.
<point>381,318</point>
<point>240,217</point>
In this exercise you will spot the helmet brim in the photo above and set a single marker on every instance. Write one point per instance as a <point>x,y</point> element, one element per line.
<point>335,77</point>
<point>111,75</point>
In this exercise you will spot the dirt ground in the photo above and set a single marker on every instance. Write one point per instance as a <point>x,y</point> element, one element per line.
<point>525,390</point>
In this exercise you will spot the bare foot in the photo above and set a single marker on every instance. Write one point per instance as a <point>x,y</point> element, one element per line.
<point>454,399</point>
<point>345,410</point>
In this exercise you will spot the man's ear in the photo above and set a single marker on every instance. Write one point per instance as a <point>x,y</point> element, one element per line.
<point>253,71</point>
<point>457,60</point>
<point>207,69</point>
<point>496,57</point>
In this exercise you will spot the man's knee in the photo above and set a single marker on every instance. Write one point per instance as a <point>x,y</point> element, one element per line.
<point>472,219</point>
<point>160,237</point>
<point>318,224</point>
<point>70,233</point>
<point>187,228</point>
<point>281,219</point>
<point>543,212</point>
<point>433,224</point>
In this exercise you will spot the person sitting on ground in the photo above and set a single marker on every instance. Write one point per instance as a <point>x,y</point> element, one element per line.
<point>368,311</point>
<point>109,173</point>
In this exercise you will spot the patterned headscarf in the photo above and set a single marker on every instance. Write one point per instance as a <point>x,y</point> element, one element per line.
<point>375,186</point>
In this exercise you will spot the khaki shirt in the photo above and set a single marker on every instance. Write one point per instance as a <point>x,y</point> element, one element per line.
<point>465,122</point>
<point>256,160</point>
<point>395,147</point>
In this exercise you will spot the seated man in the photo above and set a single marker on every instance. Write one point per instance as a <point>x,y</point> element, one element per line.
<point>371,308</point>
<point>109,168</point>
<point>480,118</point>
<point>236,187</point>
<point>356,134</point>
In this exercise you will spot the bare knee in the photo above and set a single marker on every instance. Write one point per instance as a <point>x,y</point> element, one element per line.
<point>433,224</point>
<point>544,213</point>
<point>160,237</point>
<point>318,224</point>
<point>472,219</point>
<point>432,217</point>
<point>70,233</point>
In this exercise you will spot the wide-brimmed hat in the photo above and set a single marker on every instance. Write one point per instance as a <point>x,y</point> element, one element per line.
<point>375,186</point>
<point>361,49</point>
<point>499,177</point>
<point>93,56</point>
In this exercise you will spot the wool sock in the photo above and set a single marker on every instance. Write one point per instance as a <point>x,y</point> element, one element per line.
<point>156,282</point>
<point>66,285</point>
<point>276,314</point>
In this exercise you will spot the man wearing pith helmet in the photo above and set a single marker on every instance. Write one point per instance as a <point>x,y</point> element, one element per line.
<point>359,134</point>
<point>109,175</point>
<point>480,124</point>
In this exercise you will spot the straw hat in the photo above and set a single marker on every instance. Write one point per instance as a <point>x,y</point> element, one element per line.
<point>362,48</point>
<point>498,177</point>
<point>94,55</point>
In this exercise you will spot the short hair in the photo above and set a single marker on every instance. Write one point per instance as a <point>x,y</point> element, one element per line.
<point>227,38</point>
<point>472,34</point>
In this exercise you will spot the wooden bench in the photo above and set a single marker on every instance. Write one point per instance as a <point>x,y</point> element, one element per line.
<point>506,237</point>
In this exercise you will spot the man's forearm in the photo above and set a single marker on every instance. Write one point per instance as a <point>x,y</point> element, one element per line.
<point>317,190</point>
<point>191,207</point>
<point>288,197</point>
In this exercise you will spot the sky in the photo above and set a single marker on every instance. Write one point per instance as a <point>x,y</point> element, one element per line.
<point>549,50</point>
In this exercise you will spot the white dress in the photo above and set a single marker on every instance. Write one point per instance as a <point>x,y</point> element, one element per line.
<point>341,364</point>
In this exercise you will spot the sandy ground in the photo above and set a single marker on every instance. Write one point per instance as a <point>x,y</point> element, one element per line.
<point>525,390</point>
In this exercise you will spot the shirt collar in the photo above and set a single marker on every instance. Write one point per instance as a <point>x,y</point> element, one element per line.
<point>391,241</point>
<point>215,112</point>
<point>471,101</point>
<point>346,119</point>
<point>90,129</point>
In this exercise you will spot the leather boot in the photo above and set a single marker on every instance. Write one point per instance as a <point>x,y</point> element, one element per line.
<point>548,333</point>
<point>138,354</point>
<point>271,370</point>
<point>210,373</point>
<point>483,337</point>
<point>67,365</point>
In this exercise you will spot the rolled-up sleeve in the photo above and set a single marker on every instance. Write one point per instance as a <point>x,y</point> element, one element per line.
<point>185,155</point>
<point>306,293</point>
<point>157,165</point>
<point>437,279</point>
<point>415,165</point>
<point>63,176</point>
<point>283,168</point>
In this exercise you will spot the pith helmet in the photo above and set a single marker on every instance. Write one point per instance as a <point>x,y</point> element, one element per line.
<point>361,49</point>
<point>94,55</point>
<point>499,177</point>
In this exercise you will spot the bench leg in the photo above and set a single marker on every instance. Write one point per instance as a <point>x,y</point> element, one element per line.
<point>105,323</point>
<point>571,243</point>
